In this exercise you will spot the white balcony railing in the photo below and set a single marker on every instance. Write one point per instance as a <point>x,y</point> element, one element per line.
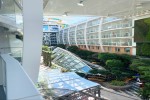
<point>17,84</point>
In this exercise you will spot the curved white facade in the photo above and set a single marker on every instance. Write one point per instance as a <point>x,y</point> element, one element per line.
<point>109,34</point>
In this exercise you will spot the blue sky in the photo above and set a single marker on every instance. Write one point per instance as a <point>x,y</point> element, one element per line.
<point>70,19</point>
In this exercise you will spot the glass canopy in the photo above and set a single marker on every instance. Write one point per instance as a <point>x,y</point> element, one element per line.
<point>69,61</point>
<point>64,84</point>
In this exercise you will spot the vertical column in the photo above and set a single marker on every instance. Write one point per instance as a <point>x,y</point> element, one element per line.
<point>32,39</point>
<point>99,92</point>
<point>63,37</point>
<point>69,36</point>
<point>58,35</point>
<point>100,33</point>
<point>133,43</point>
<point>85,38</point>
<point>75,34</point>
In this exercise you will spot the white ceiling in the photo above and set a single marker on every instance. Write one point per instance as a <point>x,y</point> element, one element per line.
<point>97,7</point>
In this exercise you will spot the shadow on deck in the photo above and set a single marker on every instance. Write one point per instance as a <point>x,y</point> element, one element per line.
<point>2,93</point>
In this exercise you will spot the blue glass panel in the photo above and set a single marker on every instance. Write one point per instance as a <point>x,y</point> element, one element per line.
<point>45,27</point>
<point>86,69</point>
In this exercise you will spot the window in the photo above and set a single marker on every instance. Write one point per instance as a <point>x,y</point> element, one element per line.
<point>117,49</point>
<point>109,49</point>
<point>97,48</point>
<point>127,50</point>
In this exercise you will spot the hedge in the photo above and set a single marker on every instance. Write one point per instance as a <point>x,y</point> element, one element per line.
<point>143,49</point>
<point>126,59</point>
<point>117,83</point>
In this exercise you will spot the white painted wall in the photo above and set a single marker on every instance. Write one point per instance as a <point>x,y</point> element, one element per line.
<point>33,33</point>
<point>134,51</point>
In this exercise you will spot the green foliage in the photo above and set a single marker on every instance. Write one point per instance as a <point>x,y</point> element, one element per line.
<point>46,55</point>
<point>84,54</point>
<point>45,48</point>
<point>141,30</point>
<point>107,56</point>
<point>138,49</point>
<point>96,71</point>
<point>61,46</point>
<point>117,69</point>
<point>148,36</point>
<point>139,62</point>
<point>47,58</point>
<point>147,21</point>
<point>117,64</point>
<point>63,70</point>
<point>81,74</point>
<point>117,83</point>
<point>145,91</point>
<point>114,64</point>
<point>73,49</point>
<point>145,49</point>
<point>142,66</point>
<point>125,59</point>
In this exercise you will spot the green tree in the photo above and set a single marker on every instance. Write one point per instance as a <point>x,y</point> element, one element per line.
<point>115,67</point>
<point>114,64</point>
<point>124,58</point>
<point>46,55</point>
<point>142,66</point>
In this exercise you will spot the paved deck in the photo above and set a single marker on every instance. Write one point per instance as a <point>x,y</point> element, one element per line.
<point>2,94</point>
<point>119,95</point>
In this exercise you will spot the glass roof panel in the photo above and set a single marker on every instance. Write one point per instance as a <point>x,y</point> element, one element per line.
<point>68,60</point>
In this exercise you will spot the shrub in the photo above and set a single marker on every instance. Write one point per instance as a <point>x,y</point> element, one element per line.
<point>61,46</point>
<point>63,70</point>
<point>138,62</point>
<point>117,69</point>
<point>126,59</point>
<point>84,54</point>
<point>117,83</point>
<point>73,49</point>
<point>81,74</point>
<point>145,92</point>
<point>96,71</point>
<point>114,64</point>
<point>107,56</point>
<point>45,48</point>
<point>143,49</point>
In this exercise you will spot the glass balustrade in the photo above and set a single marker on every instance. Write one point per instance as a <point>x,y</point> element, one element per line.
<point>15,52</point>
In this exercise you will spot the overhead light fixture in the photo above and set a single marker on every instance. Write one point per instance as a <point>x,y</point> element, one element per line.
<point>80,3</point>
<point>65,14</point>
